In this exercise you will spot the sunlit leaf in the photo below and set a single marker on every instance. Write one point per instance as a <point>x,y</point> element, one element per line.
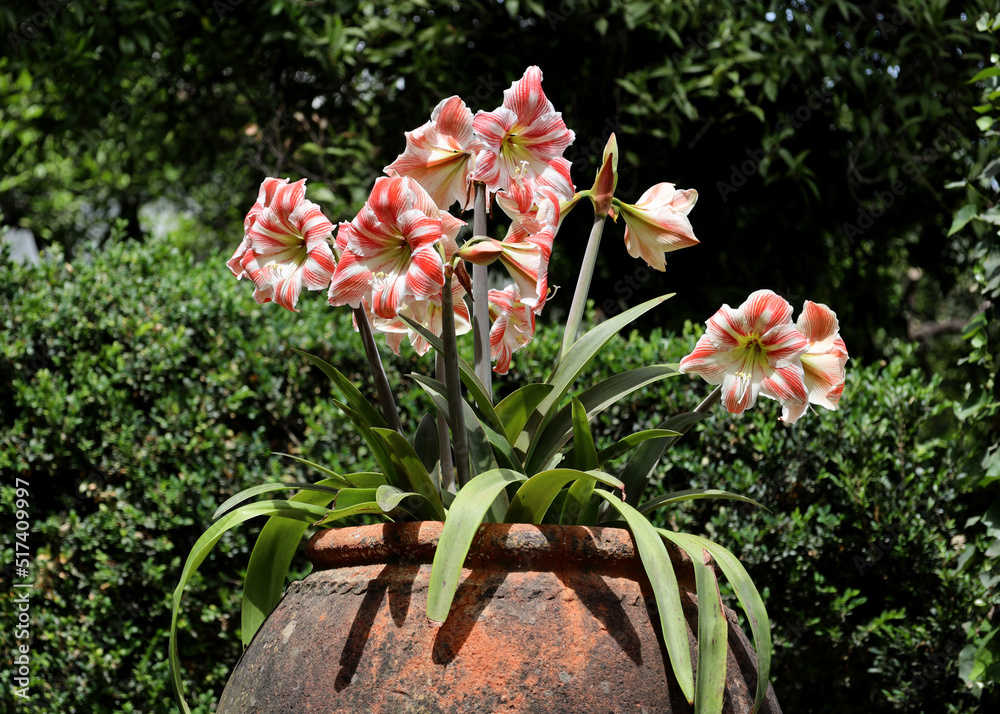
<point>746,593</point>
<point>660,571</point>
<point>536,494</point>
<point>464,516</point>
<point>204,545</point>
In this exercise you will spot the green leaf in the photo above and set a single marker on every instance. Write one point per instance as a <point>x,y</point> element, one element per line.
<point>476,389</point>
<point>626,444</point>
<point>713,637</point>
<point>270,559</point>
<point>984,74</point>
<point>376,444</point>
<point>348,497</point>
<point>640,466</point>
<point>361,479</point>
<point>389,497</point>
<point>536,494</point>
<point>506,456</point>
<point>517,406</point>
<point>249,493</point>
<point>358,509</point>
<point>595,399</point>
<point>411,468</point>
<point>583,440</point>
<point>964,215</point>
<point>464,517</point>
<point>203,546</point>
<point>425,442</point>
<point>359,403</point>
<point>480,453</point>
<point>748,596</point>
<point>576,505</point>
<point>660,571</point>
<point>579,355</point>
<point>691,495</point>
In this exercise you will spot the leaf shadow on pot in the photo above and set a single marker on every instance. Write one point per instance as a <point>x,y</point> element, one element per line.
<point>471,598</point>
<point>605,606</point>
<point>394,582</point>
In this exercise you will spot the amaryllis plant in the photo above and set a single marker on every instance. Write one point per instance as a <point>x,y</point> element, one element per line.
<point>411,276</point>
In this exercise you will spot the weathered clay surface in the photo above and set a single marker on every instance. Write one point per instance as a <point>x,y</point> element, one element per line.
<point>546,619</point>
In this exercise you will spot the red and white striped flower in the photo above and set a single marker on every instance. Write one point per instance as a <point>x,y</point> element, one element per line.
<point>658,223</point>
<point>823,362</point>
<point>525,128</point>
<point>285,244</point>
<point>513,326</point>
<point>428,313</point>
<point>531,210</point>
<point>527,246</point>
<point>395,248</point>
<point>441,154</point>
<point>750,351</point>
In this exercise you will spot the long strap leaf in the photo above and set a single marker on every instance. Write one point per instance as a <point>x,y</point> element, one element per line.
<point>514,409</point>
<point>640,467</point>
<point>203,546</point>
<point>746,593</point>
<point>480,453</point>
<point>376,444</point>
<point>271,557</point>
<point>660,571</point>
<point>410,467</point>
<point>595,399</point>
<point>479,394</point>
<point>356,399</point>
<point>692,494</point>
<point>464,517</point>
<point>713,635</point>
<point>361,479</point>
<point>576,358</point>
<point>629,442</point>
<point>536,494</point>
<point>249,493</point>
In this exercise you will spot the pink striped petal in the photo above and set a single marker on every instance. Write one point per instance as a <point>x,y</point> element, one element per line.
<point>352,283</point>
<point>285,245</point>
<point>513,326</point>
<point>751,351</point>
<point>658,223</point>
<point>525,130</point>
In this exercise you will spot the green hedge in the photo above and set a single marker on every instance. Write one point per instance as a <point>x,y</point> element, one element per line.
<point>138,389</point>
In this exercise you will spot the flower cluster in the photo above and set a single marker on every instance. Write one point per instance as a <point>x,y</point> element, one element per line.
<point>758,350</point>
<point>391,262</point>
<point>392,258</point>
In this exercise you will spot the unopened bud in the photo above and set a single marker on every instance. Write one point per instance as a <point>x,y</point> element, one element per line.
<point>481,250</point>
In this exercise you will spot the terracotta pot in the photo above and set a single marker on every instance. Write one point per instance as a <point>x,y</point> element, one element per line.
<point>546,619</point>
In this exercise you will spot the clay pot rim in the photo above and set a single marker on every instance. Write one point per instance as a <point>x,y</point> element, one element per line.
<point>520,546</point>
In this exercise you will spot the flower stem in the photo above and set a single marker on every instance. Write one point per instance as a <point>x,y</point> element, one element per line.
<point>382,388</point>
<point>453,382</point>
<point>480,300</point>
<point>582,286</point>
<point>444,443</point>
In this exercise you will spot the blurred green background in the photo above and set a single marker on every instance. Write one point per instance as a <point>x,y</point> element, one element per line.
<point>843,152</point>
